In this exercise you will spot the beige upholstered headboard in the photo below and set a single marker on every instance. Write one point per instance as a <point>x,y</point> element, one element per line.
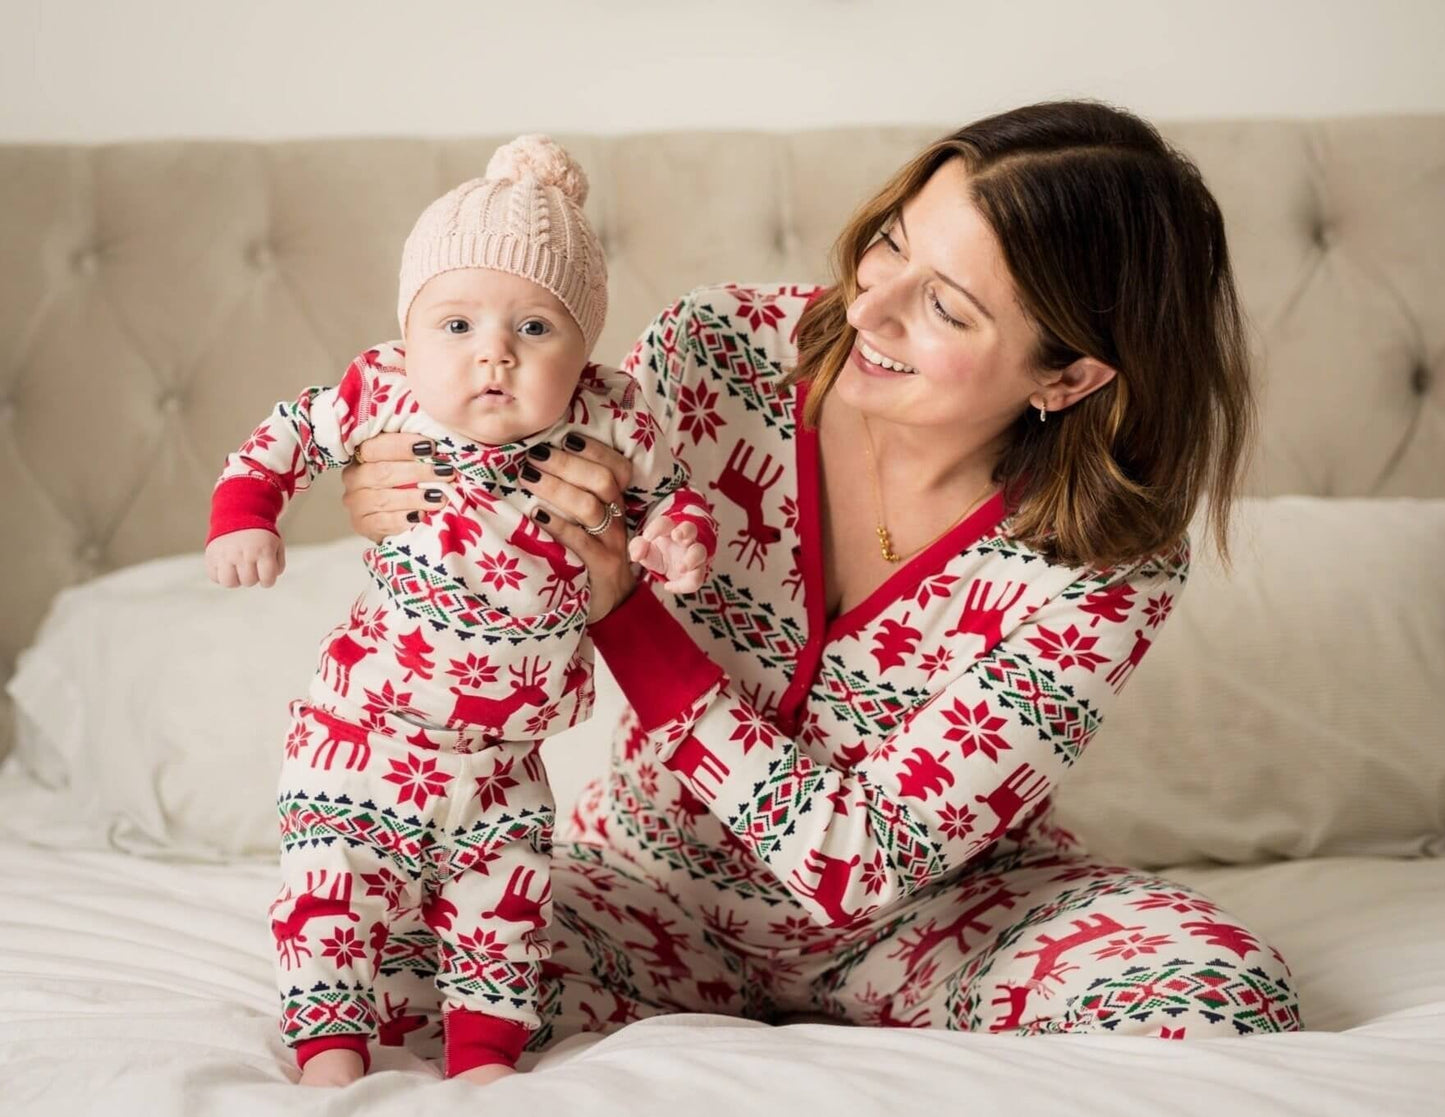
<point>156,298</point>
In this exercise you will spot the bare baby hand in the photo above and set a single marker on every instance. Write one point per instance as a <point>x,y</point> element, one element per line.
<point>671,550</point>
<point>245,558</point>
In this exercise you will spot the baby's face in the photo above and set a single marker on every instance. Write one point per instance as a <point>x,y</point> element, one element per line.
<point>492,356</point>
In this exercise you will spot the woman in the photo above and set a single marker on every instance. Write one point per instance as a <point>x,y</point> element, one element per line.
<point>953,491</point>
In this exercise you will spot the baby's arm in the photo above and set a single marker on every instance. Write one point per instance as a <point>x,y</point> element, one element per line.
<point>677,542</point>
<point>294,445</point>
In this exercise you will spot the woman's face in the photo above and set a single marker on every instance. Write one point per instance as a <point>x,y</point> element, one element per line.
<point>936,299</point>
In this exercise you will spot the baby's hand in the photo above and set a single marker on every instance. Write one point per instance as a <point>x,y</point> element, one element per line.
<point>243,558</point>
<point>671,549</point>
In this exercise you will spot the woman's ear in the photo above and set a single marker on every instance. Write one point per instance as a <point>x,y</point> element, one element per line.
<point>1075,381</point>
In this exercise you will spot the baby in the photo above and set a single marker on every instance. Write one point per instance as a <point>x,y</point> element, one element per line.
<point>411,777</point>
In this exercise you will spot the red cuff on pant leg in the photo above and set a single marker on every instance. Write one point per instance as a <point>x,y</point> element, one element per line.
<point>308,1049</point>
<point>474,1039</point>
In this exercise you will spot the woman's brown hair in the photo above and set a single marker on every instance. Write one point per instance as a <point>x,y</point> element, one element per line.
<point>1117,250</point>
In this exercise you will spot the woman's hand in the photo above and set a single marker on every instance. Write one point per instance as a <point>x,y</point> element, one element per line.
<point>392,484</point>
<point>577,484</point>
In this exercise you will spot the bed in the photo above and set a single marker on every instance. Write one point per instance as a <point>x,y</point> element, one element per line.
<point>1282,747</point>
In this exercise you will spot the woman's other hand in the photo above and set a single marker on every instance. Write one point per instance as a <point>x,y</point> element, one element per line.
<point>392,483</point>
<point>577,482</point>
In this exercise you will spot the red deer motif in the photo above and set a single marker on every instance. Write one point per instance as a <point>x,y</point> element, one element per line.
<point>693,757</point>
<point>493,713</point>
<point>1009,797</point>
<point>289,933</point>
<point>833,874</point>
<point>662,951</point>
<point>516,906</point>
<point>344,653</point>
<point>528,537</point>
<point>981,618</point>
<point>1090,928</point>
<point>1017,998</point>
<point>396,1022</point>
<point>340,732</point>
<point>914,953</point>
<point>747,493</point>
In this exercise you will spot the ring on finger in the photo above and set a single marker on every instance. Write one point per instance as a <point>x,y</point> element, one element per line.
<point>610,514</point>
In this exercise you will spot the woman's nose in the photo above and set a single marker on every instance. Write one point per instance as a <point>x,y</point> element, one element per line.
<point>875,308</point>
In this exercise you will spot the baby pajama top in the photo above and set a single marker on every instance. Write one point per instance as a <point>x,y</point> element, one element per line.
<point>415,751</point>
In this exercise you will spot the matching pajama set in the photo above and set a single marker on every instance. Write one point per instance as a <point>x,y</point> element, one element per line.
<point>411,785</point>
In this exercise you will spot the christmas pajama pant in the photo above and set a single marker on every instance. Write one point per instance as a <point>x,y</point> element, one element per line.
<point>1029,941</point>
<point>377,830</point>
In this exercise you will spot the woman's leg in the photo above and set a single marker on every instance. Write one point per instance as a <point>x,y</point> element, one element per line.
<point>1059,943</point>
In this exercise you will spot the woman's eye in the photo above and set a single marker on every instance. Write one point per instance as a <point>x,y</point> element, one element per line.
<point>456,326</point>
<point>535,327</point>
<point>889,241</point>
<point>948,318</point>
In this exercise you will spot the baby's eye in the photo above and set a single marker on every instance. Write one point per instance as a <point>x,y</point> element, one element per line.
<point>535,327</point>
<point>456,325</point>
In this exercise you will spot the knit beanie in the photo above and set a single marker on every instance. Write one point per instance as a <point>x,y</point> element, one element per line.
<point>524,217</point>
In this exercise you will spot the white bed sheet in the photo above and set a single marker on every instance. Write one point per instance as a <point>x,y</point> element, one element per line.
<point>134,986</point>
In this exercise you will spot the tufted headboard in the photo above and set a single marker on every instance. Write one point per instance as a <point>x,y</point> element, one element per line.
<point>157,298</point>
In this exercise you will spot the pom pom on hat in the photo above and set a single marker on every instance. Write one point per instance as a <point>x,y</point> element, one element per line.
<point>540,157</point>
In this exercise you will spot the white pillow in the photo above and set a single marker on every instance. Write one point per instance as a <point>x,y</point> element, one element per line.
<point>1293,709</point>
<point>156,702</point>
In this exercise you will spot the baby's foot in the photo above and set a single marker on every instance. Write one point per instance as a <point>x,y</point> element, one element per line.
<point>487,1074</point>
<point>337,1067</point>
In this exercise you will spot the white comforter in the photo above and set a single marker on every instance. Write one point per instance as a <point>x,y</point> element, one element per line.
<point>135,986</point>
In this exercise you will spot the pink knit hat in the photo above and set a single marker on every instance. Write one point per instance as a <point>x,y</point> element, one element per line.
<point>525,218</point>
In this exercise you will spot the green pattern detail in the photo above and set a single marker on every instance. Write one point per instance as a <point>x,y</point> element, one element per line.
<point>754,628</point>
<point>1037,699</point>
<point>745,371</point>
<point>870,706</point>
<point>413,952</point>
<point>466,849</point>
<point>328,1010</point>
<point>309,820</point>
<point>792,785</point>
<point>487,984</point>
<point>658,834</point>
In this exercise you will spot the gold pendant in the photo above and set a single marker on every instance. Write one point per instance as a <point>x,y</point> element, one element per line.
<point>885,544</point>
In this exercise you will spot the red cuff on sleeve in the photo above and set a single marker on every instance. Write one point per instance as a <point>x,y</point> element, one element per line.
<point>474,1039</point>
<point>308,1049</point>
<point>659,669</point>
<point>244,502</point>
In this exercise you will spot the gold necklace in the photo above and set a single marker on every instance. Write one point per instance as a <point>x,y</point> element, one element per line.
<point>885,542</point>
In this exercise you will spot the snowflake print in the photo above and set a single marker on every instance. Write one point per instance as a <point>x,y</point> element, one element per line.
<point>645,433</point>
<point>474,671</point>
<point>538,722</point>
<point>697,408</point>
<point>482,943</point>
<point>759,313</point>
<point>1068,649</point>
<point>1157,610</point>
<point>647,778</point>
<point>387,885</point>
<point>343,947</point>
<point>418,779</point>
<point>371,626</point>
<point>492,788</point>
<point>296,740</point>
<point>751,730</point>
<point>934,662</point>
<point>790,513</point>
<point>937,586</point>
<point>388,701</point>
<point>957,822</point>
<point>975,728</point>
<point>874,875</point>
<point>1132,945</point>
<point>260,440</point>
<point>1176,901</point>
<point>796,928</point>
<point>501,570</point>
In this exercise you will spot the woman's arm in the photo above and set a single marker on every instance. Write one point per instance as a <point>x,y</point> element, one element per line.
<point>959,770</point>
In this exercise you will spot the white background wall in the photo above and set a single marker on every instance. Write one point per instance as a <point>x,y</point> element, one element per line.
<point>123,69</point>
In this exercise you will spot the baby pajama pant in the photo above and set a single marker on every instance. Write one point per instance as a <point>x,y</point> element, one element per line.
<point>375,828</point>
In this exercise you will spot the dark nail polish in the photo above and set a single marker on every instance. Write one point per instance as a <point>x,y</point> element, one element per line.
<point>574,442</point>
<point>421,449</point>
<point>442,469</point>
<point>413,517</point>
<point>541,453</point>
<point>541,516</point>
<point>434,495</point>
<point>530,474</point>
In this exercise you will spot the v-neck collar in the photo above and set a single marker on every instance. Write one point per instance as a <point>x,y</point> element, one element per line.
<point>900,585</point>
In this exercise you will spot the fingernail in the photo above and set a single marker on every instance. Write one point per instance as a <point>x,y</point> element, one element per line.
<point>413,517</point>
<point>421,449</point>
<point>574,442</point>
<point>442,469</point>
<point>541,453</point>
<point>541,516</point>
<point>434,495</point>
<point>530,474</point>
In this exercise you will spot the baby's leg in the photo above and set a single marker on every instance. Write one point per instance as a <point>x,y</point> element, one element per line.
<point>494,907</point>
<point>339,894</point>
